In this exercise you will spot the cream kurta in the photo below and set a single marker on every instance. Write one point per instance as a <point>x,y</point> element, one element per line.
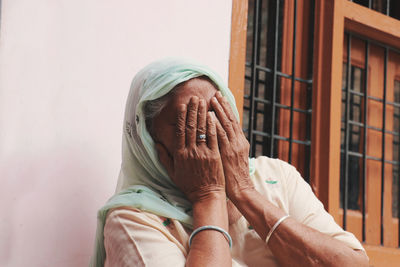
<point>136,238</point>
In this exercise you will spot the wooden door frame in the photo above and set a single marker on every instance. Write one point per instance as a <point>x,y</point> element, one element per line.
<point>237,53</point>
<point>333,18</point>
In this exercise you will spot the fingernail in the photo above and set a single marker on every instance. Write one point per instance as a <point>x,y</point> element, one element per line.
<point>182,107</point>
<point>218,94</point>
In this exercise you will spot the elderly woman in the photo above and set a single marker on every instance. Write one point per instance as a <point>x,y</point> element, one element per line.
<point>189,195</point>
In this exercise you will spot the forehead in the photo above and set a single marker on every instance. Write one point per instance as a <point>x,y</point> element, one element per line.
<point>166,120</point>
<point>201,88</point>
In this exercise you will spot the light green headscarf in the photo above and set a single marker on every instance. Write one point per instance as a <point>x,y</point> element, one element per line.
<point>143,182</point>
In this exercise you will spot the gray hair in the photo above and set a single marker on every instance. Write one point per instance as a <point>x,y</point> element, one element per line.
<point>154,107</point>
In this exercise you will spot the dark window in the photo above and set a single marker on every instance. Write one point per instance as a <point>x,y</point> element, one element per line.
<point>370,128</point>
<point>278,89</point>
<point>355,126</point>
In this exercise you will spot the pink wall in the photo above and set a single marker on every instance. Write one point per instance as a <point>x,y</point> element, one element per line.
<point>65,71</point>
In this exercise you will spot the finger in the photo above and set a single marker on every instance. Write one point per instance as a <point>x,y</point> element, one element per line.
<point>221,134</point>
<point>165,159</point>
<point>223,119</point>
<point>226,106</point>
<point>228,110</point>
<point>191,121</point>
<point>180,127</point>
<point>212,140</point>
<point>201,120</point>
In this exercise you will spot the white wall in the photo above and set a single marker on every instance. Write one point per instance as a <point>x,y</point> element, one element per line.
<point>65,71</point>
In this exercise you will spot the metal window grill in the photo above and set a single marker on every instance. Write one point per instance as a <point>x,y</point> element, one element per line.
<point>265,83</point>
<point>355,128</point>
<point>387,7</point>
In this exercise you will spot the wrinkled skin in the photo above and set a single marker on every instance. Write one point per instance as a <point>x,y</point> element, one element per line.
<point>196,168</point>
<point>234,147</point>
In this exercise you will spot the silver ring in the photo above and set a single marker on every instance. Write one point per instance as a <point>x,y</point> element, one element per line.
<point>201,138</point>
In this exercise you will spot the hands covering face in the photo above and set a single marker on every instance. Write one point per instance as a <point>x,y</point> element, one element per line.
<point>233,147</point>
<point>219,163</point>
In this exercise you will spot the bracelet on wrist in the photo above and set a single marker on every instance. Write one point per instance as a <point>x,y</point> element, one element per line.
<point>271,231</point>
<point>211,227</point>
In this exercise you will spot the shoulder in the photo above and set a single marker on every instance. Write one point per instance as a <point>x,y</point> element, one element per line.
<point>129,213</point>
<point>270,179</point>
<point>278,180</point>
<point>272,167</point>
<point>271,164</point>
<point>133,219</point>
<point>131,236</point>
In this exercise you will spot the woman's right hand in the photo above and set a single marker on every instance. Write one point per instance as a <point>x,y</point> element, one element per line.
<point>195,166</point>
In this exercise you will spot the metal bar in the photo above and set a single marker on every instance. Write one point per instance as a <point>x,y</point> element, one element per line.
<point>274,79</point>
<point>398,188</point>
<point>353,92</point>
<point>294,109</point>
<point>360,155</point>
<point>253,75</point>
<point>383,141</point>
<point>387,7</point>
<point>364,176</point>
<point>395,104</point>
<point>309,91</point>
<point>292,81</point>
<point>371,41</point>
<point>305,143</point>
<point>346,142</point>
<point>264,134</point>
<point>265,101</point>
<point>281,74</point>
<point>287,107</point>
<point>257,77</point>
<point>266,119</point>
<point>356,123</point>
<point>377,99</point>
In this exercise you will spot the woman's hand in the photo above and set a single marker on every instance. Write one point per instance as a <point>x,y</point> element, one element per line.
<point>234,148</point>
<point>195,166</point>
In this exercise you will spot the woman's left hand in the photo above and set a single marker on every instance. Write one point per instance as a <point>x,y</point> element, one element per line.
<point>234,148</point>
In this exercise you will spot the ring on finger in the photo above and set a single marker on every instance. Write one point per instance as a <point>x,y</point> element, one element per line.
<point>201,138</point>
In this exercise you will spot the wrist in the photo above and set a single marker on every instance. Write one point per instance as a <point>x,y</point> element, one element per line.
<point>242,195</point>
<point>211,209</point>
<point>209,196</point>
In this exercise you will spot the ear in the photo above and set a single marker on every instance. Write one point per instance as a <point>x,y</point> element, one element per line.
<point>165,159</point>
